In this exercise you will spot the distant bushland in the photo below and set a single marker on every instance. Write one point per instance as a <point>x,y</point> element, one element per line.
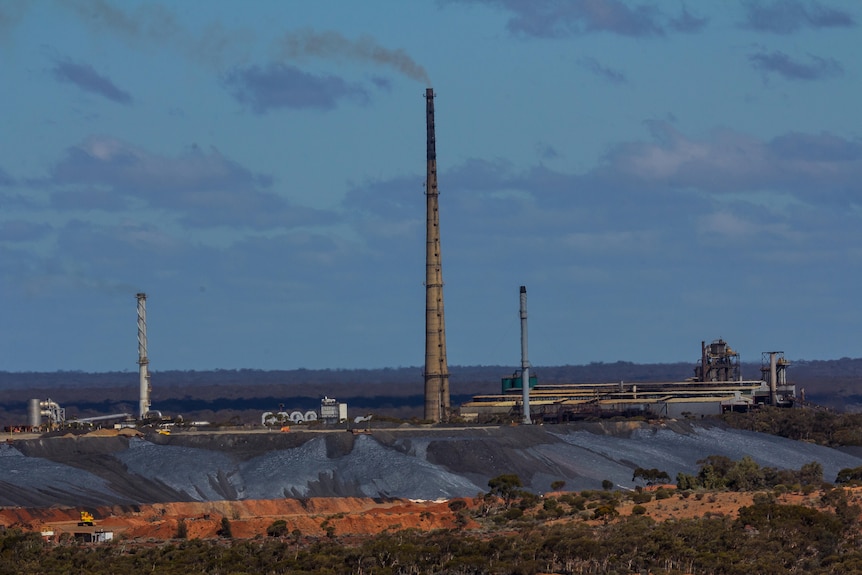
<point>395,392</point>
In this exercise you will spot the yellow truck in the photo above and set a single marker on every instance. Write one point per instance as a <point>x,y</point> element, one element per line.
<point>86,519</point>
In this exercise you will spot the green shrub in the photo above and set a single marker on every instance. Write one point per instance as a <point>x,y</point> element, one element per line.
<point>506,486</point>
<point>849,474</point>
<point>575,501</point>
<point>224,529</point>
<point>764,498</point>
<point>182,529</point>
<point>650,476</point>
<point>605,512</point>
<point>528,500</point>
<point>457,505</point>
<point>642,497</point>
<point>277,528</point>
<point>513,513</point>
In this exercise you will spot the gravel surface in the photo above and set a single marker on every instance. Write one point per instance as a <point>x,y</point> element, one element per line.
<point>412,463</point>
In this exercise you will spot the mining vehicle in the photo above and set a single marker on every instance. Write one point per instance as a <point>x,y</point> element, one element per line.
<point>86,519</point>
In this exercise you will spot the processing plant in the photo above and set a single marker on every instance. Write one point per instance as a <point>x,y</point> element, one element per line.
<point>717,387</point>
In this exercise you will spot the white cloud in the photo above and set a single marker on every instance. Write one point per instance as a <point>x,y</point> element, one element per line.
<point>202,189</point>
<point>809,166</point>
<point>724,223</point>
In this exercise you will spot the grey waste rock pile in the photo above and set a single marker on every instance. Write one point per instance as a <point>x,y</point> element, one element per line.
<point>413,463</point>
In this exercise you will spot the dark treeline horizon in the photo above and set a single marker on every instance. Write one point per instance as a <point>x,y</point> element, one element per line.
<point>593,372</point>
<point>392,391</point>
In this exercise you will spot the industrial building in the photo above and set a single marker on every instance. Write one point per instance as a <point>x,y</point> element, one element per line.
<point>56,415</point>
<point>717,387</point>
<point>331,411</point>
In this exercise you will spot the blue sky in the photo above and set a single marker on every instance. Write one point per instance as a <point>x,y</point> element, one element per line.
<point>656,174</point>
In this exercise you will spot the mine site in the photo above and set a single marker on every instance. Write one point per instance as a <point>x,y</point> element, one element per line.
<point>532,452</point>
<point>282,234</point>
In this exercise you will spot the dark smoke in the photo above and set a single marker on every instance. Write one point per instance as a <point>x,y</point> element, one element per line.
<point>151,22</point>
<point>10,14</point>
<point>332,45</point>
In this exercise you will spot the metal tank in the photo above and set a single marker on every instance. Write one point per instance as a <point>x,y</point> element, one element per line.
<point>34,413</point>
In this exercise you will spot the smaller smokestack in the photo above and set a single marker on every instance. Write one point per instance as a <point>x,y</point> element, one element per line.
<point>143,360</point>
<point>525,364</point>
<point>773,376</point>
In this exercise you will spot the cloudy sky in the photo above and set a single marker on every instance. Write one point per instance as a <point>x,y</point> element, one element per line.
<point>657,173</point>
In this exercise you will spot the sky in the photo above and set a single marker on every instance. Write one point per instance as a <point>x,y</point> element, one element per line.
<point>656,173</point>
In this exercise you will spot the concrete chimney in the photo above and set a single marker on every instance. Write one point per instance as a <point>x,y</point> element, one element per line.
<point>436,367</point>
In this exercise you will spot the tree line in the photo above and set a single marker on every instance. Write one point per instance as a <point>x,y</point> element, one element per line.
<point>520,532</point>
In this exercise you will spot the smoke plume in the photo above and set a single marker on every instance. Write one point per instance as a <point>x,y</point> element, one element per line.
<point>332,45</point>
<point>10,14</point>
<point>156,24</point>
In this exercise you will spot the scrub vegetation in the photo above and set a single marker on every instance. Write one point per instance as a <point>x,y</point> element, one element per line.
<point>226,395</point>
<point>510,530</point>
<point>820,426</point>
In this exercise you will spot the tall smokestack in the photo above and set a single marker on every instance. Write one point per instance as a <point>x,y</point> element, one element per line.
<point>436,367</point>
<point>143,361</point>
<point>525,363</point>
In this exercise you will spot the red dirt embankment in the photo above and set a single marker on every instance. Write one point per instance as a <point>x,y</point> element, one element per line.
<point>348,517</point>
<point>312,517</point>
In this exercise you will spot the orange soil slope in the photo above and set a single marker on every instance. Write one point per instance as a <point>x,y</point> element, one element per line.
<point>347,516</point>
